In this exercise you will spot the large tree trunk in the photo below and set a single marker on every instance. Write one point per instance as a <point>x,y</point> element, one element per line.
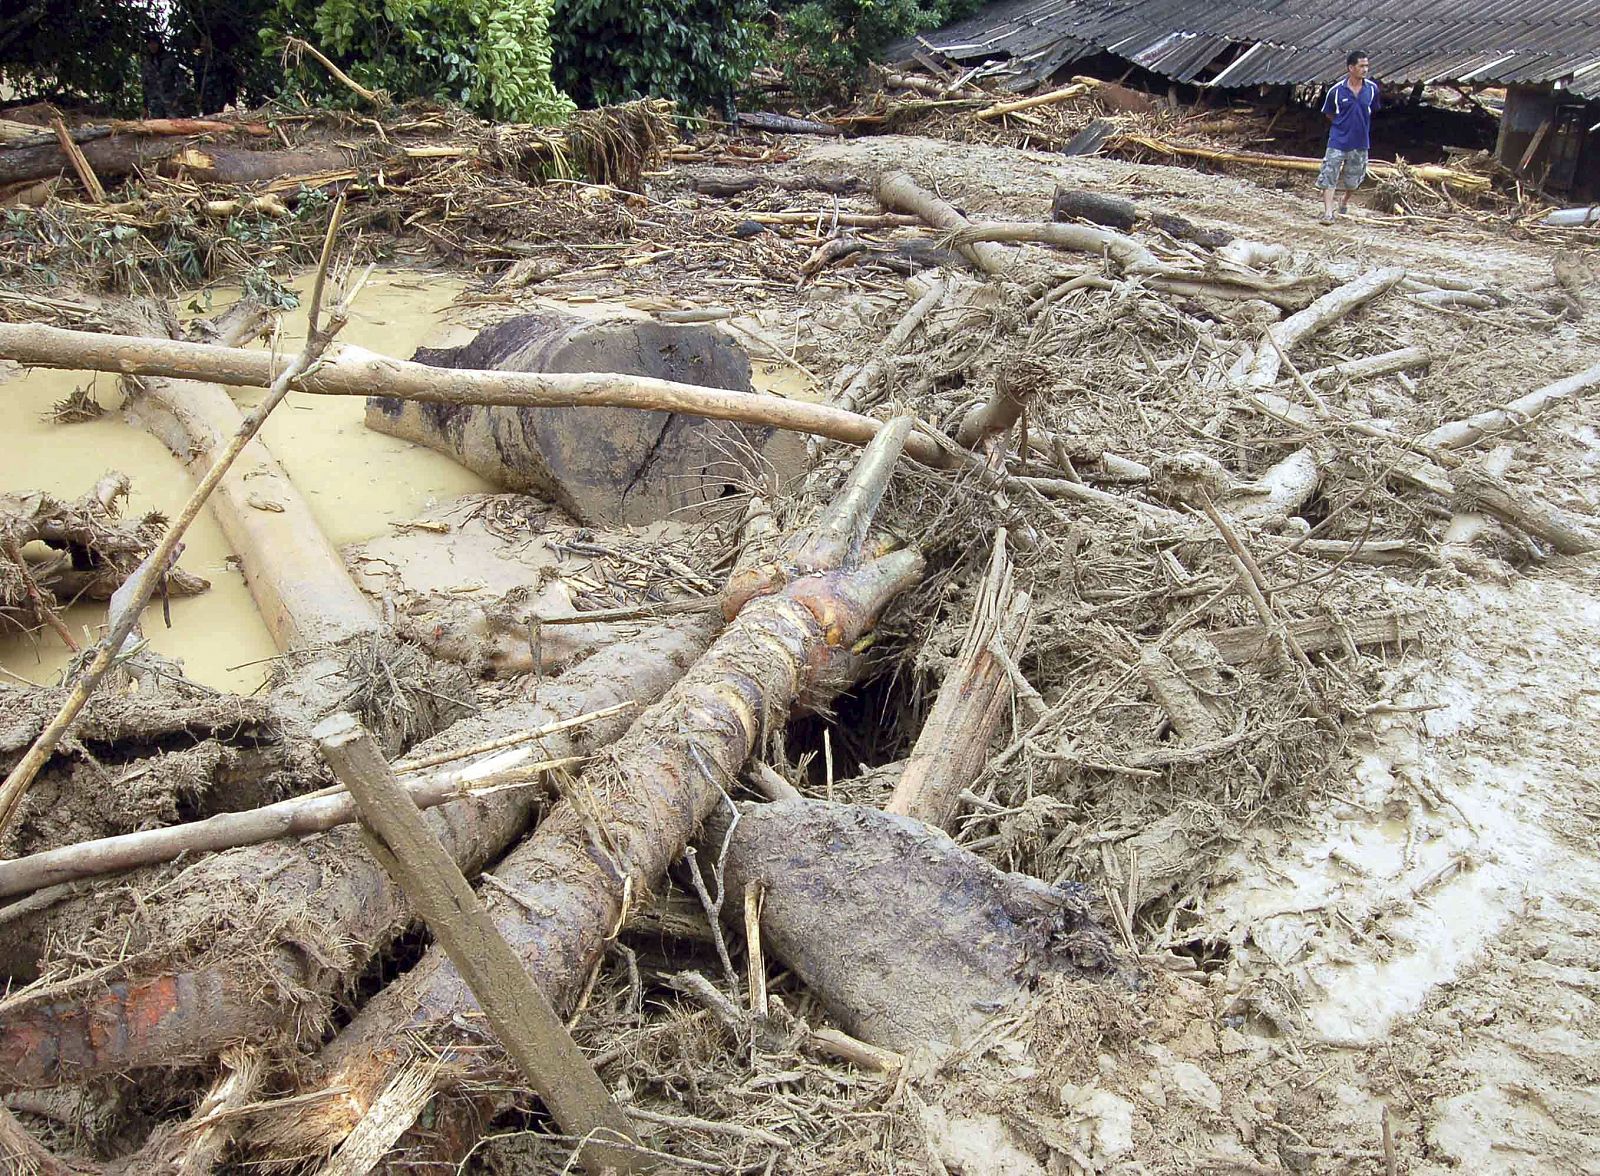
<point>561,895</point>
<point>122,155</point>
<point>909,939</point>
<point>253,939</point>
<point>607,465</point>
<point>300,583</point>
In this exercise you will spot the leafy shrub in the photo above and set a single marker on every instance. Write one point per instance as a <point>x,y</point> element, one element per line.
<point>492,56</point>
<point>696,52</point>
<point>49,47</point>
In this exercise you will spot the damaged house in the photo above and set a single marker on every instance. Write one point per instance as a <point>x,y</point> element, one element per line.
<point>1545,54</point>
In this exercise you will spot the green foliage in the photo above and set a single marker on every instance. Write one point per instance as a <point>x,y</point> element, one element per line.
<point>696,52</point>
<point>827,43</point>
<point>492,56</point>
<point>68,46</point>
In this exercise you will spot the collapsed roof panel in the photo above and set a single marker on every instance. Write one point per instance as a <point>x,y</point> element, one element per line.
<point>1232,43</point>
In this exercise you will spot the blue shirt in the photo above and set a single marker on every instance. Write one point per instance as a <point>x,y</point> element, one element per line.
<point>1352,115</point>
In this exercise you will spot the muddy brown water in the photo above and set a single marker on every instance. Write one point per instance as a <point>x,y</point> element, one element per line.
<point>356,481</point>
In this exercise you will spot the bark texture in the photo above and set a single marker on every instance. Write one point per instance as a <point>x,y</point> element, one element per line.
<point>909,939</point>
<point>562,894</point>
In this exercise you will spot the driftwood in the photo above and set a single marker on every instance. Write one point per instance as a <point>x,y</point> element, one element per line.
<point>561,895</point>
<point>298,580</point>
<point>1249,643</point>
<point>1115,212</point>
<point>1018,378</point>
<point>328,909</point>
<point>1372,366</point>
<point>853,396</point>
<point>1051,98</point>
<point>605,465</point>
<point>782,124</point>
<point>298,816</point>
<point>1477,489</point>
<point>1285,336</point>
<point>1124,250</point>
<point>728,182</point>
<point>120,155</point>
<point>909,939</point>
<point>898,191</point>
<point>1514,415</point>
<point>352,371</point>
<point>1462,181</point>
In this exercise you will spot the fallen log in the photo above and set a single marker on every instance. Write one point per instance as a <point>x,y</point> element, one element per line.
<point>1477,489</point>
<point>1248,643</point>
<point>606,465</point>
<point>910,940</point>
<point>300,917</point>
<point>1280,491</point>
<point>898,192</point>
<point>353,371</point>
<point>525,1024</point>
<point>1052,98</point>
<point>1371,366</point>
<point>299,582</point>
<point>1197,718</point>
<point>1468,182</point>
<point>299,816</point>
<point>783,124</point>
<point>1128,253</point>
<point>1515,415</point>
<point>122,155</point>
<point>1285,336</point>
<point>564,892</point>
<point>1114,212</point>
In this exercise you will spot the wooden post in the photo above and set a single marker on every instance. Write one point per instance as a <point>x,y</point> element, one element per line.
<point>517,1009</point>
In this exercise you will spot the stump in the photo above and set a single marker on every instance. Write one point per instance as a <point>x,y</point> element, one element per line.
<point>602,465</point>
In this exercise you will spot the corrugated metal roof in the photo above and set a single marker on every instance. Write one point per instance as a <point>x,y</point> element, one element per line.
<point>1294,42</point>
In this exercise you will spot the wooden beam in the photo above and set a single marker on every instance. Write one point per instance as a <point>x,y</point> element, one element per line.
<point>517,1009</point>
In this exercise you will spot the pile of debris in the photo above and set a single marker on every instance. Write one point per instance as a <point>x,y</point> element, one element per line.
<point>160,205</point>
<point>1106,531</point>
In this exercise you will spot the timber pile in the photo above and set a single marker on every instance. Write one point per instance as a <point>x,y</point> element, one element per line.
<point>186,200</point>
<point>1107,539</point>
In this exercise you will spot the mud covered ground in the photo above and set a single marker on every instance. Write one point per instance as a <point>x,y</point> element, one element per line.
<point>1384,963</point>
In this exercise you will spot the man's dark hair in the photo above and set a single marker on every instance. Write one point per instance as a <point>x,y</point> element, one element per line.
<point>1355,56</point>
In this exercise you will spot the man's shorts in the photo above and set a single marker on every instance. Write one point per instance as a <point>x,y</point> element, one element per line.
<point>1342,169</point>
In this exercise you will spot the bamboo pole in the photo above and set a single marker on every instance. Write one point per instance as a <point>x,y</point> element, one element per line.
<point>1065,94</point>
<point>353,371</point>
<point>1429,173</point>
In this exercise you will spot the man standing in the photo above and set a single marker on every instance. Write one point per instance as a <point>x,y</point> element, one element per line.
<point>1349,106</point>
<point>162,79</point>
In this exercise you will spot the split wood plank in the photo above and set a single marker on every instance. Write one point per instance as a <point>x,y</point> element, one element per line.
<point>91,182</point>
